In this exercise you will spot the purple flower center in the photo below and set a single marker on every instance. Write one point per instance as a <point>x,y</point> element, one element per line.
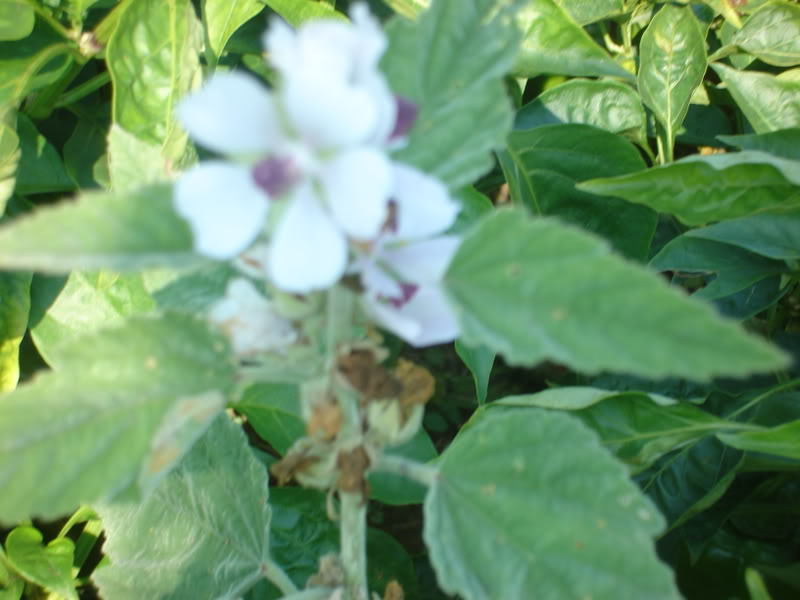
<point>274,175</point>
<point>407,113</point>
<point>407,291</point>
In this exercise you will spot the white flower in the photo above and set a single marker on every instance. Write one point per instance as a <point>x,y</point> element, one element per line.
<point>402,276</point>
<point>333,92</point>
<point>250,321</point>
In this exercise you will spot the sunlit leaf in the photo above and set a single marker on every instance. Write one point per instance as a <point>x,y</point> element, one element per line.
<point>597,539</point>
<point>49,566</point>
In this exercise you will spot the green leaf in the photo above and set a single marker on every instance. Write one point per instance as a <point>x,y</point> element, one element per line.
<point>637,427</point>
<point>41,169</point>
<point>773,236</point>
<point>783,440</point>
<point>556,44</point>
<point>534,289</point>
<point>589,11</point>
<point>89,430</point>
<point>768,102</point>
<point>9,158</point>
<point>133,162</point>
<point>784,143</point>
<point>207,526</point>
<point>749,302</point>
<point>153,60</point>
<point>479,361</point>
<point>596,544</point>
<point>16,19</point>
<point>33,62</point>
<point>397,490</point>
<point>735,268</point>
<point>84,148</point>
<point>672,64</point>
<point>772,33</point>
<point>273,410</point>
<point>47,566</point>
<point>424,64</point>
<point>607,105</point>
<point>549,160</point>
<point>88,302</point>
<point>297,11</point>
<point>223,17</point>
<point>134,230</point>
<point>474,205</point>
<point>15,304</point>
<point>686,482</point>
<point>699,189</point>
<point>194,290</point>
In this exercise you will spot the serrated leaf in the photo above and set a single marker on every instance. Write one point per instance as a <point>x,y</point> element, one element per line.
<point>47,566</point>
<point>783,440</point>
<point>773,236</point>
<point>207,526</point>
<point>686,482</point>
<point>453,95</point>
<point>133,162</point>
<point>33,62</point>
<point>772,33</point>
<point>223,17</point>
<point>297,11</point>
<point>768,102</point>
<point>638,428</point>
<point>87,302</point>
<point>132,230</point>
<point>556,44</point>
<point>549,160</point>
<point>784,142</point>
<point>596,544</point>
<point>15,305</point>
<point>479,361</point>
<point>82,433</point>
<point>16,19</point>
<point>534,289</point>
<point>607,105</point>
<point>735,268</point>
<point>41,169</point>
<point>273,410</point>
<point>589,11</point>
<point>152,57</point>
<point>700,189</point>
<point>672,64</point>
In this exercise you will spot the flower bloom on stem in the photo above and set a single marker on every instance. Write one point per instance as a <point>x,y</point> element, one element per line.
<point>313,152</point>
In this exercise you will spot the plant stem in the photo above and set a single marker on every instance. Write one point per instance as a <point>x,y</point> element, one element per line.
<point>279,577</point>
<point>315,593</point>
<point>353,532</point>
<point>83,90</point>
<point>411,469</point>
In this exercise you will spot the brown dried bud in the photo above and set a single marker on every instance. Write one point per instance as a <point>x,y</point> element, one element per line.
<point>353,467</point>
<point>394,591</point>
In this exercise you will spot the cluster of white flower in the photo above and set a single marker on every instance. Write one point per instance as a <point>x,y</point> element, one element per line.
<point>313,155</point>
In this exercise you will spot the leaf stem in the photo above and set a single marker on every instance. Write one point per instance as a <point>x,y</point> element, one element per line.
<point>279,577</point>
<point>411,469</point>
<point>81,91</point>
<point>353,532</point>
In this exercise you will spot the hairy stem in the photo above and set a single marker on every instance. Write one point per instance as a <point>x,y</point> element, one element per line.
<point>353,532</point>
<point>411,469</point>
<point>279,577</point>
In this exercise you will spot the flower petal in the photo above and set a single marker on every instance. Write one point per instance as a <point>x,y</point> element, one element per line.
<point>328,112</point>
<point>424,206</point>
<point>357,185</point>
<point>308,251</point>
<point>224,207</point>
<point>232,114</point>
<point>426,319</point>
<point>423,262</point>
